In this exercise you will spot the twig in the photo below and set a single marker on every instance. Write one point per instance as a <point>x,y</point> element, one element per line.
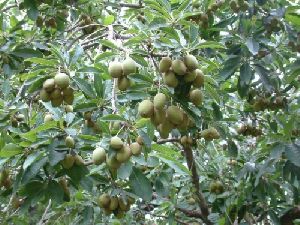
<point>195,179</point>
<point>162,141</point>
<point>41,222</point>
<point>133,6</point>
<point>88,163</point>
<point>9,7</point>
<point>191,213</point>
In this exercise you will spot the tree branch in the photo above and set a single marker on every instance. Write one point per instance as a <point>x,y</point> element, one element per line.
<point>133,6</point>
<point>43,219</point>
<point>162,141</point>
<point>195,179</point>
<point>191,213</point>
<point>9,7</point>
<point>290,216</point>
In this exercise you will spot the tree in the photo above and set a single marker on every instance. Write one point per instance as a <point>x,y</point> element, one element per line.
<point>149,112</point>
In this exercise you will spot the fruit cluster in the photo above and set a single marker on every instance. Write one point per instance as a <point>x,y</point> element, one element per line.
<point>117,205</point>
<point>5,180</point>
<point>121,71</point>
<point>185,71</point>
<point>165,118</point>
<point>90,123</point>
<point>16,119</point>
<point>57,90</point>
<point>85,21</point>
<point>70,160</point>
<point>248,130</point>
<point>121,153</point>
<point>261,104</point>
<point>272,25</point>
<point>216,187</point>
<point>210,134</point>
<point>240,5</point>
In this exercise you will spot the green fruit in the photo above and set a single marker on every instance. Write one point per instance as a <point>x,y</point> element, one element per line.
<point>112,163</point>
<point>140,140</point>
<point>69,108</point>
<point>62,80</point>
<point>179,67</point>
<point>49,85</point>
<point>69,98</point>
<point>104,200</point>
<point>204,19</point>
<point>191,201</point>
<point>70,143</point>
<point>158,117</point>
<point>124,154</point>
<point>174,115</point>
<point>123,83</point>
<point>68,91</point>
<point>213,187</point>
<point>185,123</point>
<point>20,117</point>
<point>99,156</point>
<point>159,101</point>
<point>123,205</point>
<point>196,97</point>
<point>199,80</point>
<point>44,95</point>
<point>129,66</point>
<point>79,160</point>
<point>135,148</point>
<point>191,62</point>
<point>210,134</point>
<point>87,115</point>
<point>56,102</point>
<point>116,143</point>
<point>68,161</point>
<point>190,76</point>
<point>115,69</point>
<point>48,117</point>
<point>170,79</point>
<point>56,94</point>
<point>146,109</point>
<point>165,64</point>
<point>165,128</point>
<point>113,205</point>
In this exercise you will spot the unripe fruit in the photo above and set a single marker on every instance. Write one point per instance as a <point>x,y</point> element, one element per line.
<point>112,163</point>
<point>196,97</point>
<point>174,115</point>
<point>113,205</point>
<point>68,99</point>
<point>79,160</point>
<point>104,200</point>
<point>124,154</point>
<point>158,117</point>
<point>170,79</point>
<point>123,205</point>
<point>159,101</point>
<point>165,64</point>
<point>56,94</point>
<point>204,18</point>
<point>165,128</point>
<point>99,156</point>
<point>56,102</point>
<point>70,143</point>
<point>135,148</point>
<point>115,69</point>
<point>184,140</point>
<point>191,62</point>
<point>190,76</point>
<point>199,80</point>
<point>191,201</point>
<point>116,143</point>
<point>62,80</point>
<point>210,134</point>
<point>129,66</point>
<point>44,95</point>
<point>123,83</point>
<point>185,123</point>
<point>179,67</point>
<point>68,161</point>
<point>140,140</point>
<point>49,85</point>
<point>146,109</point>
<point>69,108</point>
<point>48,117</point>
<point>68,91</point>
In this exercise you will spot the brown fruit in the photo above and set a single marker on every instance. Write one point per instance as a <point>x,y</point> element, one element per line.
<point>165,128</point>
<point>199,80</point>
<point>123,204</point>
<point>185,123</point>
<point>116,143</point>
<point>68,161</point>
<point>104,200</point>
<point>87,115</point>
<point>196,97</point>
<point>159,101</point>
<point>170,79</point>
<point>124,154</point>
<point>99,156</point>
<point>135,148</point>
<point>123,83</point>
<point>129,66</point>
<point>174,115</point>
<point>113,205</point>
<point>49,85</point>
<point>191,62</point>
<point>68,91</point>
<point>70,143</point>
<point>158,116</point>
<point>179,67</point>
<point>62,80</point>
<point>115,69</point>
<point>146,109</point>
<point>165,64</point>
<point>44,95</point>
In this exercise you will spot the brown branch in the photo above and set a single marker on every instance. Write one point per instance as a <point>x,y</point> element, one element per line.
<point>88,163</point>
<point>290,216</point>
<point>191,213</point>
<point>9,7</point>
<point>162,141</point>
<point>133,6</point>
<point>195,179</point>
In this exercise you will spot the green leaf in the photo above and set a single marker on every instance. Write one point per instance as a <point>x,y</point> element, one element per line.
<point>232,149</point>
<point>42,61</point>
<point>292,15</point>
<point>33,170</point>
<point>10,150</point>
<point>105,55</point>
<point>292,152</point>
<point>112,117</point>
<point>230,66</point>
<point>98,84</point>
<point>140,184</point>
<point>32,134</point>
<point>85,87</point>
<point>27,53</point>
<point>125,170</point>
<point>108,44</point>
<point>210,44</point>
<point>108,20</point>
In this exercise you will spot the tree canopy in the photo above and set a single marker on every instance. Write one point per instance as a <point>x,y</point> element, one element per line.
<point>149,112</point>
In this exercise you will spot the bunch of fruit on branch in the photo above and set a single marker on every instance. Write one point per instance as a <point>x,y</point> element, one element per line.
<point>184,76</point>
<point>261,103</point>
<point>248,130</point>
<point>240,5</point>
<point>57,90</point>
<point>120,153</point>
<point>121,70</point>
<point>117,205</point>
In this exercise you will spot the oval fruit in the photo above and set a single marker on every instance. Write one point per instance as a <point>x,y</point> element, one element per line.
<point>115,69</point>
<point>135,148</point>
<point>124,154</point>
<point>165,64</point>
<point>68,161</point>
<point>44,95</point>
<point>146,109</point>
<point>70,143</point>
<point>116,143</point>
<point>170,79</point>
<point>49,85</point>
<point>99,156</point>
<point>104,200</point>
<point>179,67</point>
<point>123,83</point>
<point>159,101</point>
<point>196,97</point>
<point>48,117</point>
<point>199,80</point>
<point>191,62</point>
<point>174,115</point>
<point>129,66</point>
<point>62,80</point>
